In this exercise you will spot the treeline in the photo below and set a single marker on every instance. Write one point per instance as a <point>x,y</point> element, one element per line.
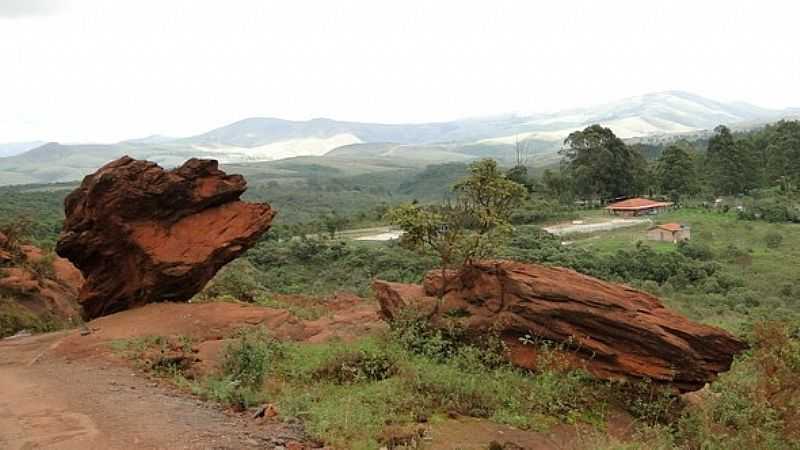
<point>598,166</point>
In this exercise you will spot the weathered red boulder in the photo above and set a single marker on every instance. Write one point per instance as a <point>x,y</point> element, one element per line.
<point>141,234</point>
<point>612,330</point>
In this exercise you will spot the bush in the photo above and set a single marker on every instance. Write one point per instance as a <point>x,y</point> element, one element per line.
<point>247,360</point>
<point>238,281</point>
<point>15,317</point>
<point>773,239</point>
<point>42,268</point>
<point>539,211</point>
<point>757,403</point>
<point>414,333</point>
<point>641,263</point>
<point>296,267</point>
<point>353,366</point>
<point>695,250</point>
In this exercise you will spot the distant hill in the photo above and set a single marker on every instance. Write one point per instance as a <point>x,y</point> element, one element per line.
<point>15,148</point>
<point>656,117</point>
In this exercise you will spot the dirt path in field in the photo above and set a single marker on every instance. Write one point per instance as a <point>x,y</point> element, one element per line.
<point>50,402</point>
<point>562,229</point>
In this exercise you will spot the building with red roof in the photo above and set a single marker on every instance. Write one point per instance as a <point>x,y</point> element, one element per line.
<point>670,232</point>
<point>637,206</point>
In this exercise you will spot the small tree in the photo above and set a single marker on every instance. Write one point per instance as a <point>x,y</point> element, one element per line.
<point>333,223</point>
<point>467,229</point>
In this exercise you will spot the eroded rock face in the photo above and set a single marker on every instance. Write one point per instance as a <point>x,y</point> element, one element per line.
<point>41,286</point>
<point>612,330</point>
<point>141,234</point>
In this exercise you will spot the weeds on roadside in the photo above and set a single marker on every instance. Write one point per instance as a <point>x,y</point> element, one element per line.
<point>246,360</point>
<point>348,393</point>
<point>15,317</point>
<point>245,363</point>
<point>757,403</point>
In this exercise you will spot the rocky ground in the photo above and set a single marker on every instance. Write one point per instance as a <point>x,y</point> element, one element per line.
<point>69,390</point>
<point>52,402</point>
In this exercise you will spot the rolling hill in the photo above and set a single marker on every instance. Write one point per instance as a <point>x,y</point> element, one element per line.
<point>331,142</point>
<point>15,148</point>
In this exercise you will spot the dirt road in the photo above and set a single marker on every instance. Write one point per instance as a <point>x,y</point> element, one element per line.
<point>591,227</point>
<point>47,402</point>
<point>65,391</point>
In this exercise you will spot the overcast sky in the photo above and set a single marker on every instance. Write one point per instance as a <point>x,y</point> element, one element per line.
<point>83,70</point>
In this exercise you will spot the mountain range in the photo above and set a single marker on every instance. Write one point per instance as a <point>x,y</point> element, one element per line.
<point>650,116</point>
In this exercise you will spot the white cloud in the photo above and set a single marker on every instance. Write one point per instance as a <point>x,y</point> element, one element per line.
<point>107,71</point>
<point>25,8</point>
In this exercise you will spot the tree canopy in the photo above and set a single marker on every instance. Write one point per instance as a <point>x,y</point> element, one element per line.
<point>601,165</point>
<point>675,172</point>
<point>469,228</point>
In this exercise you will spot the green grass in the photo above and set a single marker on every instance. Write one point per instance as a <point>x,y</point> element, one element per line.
<point>15,317</point>
<point>309,309</point>
<point>768,275</point>
<point>348,393</point>
<point>134,347</point>
<point>360,394</point>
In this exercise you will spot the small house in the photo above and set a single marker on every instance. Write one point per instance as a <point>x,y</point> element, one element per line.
<point>637,207</point>
<point>670,232</point>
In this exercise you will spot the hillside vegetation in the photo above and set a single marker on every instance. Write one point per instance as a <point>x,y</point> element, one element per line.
<point>737,191</point>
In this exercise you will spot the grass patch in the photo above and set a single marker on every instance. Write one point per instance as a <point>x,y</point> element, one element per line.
<point>350,394</point>
<point>15,317</point>
<point>305,309</point>
<point>135,347</point>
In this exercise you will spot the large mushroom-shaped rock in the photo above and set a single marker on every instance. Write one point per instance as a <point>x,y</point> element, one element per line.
<point>141,234</point>
<point>612,330</point>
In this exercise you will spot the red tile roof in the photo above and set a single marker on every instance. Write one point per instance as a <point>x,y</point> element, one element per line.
<point>673,227</point>
<point>637,204</point>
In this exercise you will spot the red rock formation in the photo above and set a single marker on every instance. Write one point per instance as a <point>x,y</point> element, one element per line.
<point>141,234</point>
<point>612,330</point>
<point>37,285</point>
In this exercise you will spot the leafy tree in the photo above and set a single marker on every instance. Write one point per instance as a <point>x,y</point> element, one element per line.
<point>470,228</point>
<point>730,167</point>
<point>601,165</point>
<point>518,174</point>
<point>642,172</point>
<point>676,172</point>
<point>333,223</point>
<point>558,185</point>
<point>781,155</point>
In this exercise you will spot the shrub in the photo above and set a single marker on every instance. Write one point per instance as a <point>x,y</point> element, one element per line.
<point>228,391</point>
<point>42,268</point>
<point>757,403</point>
<point>641,263</point>
<point>651,403</point>
<point>773,239</point>
<point>238,280</point>
<point>353,366</point>
<point>246,360</point>
<point>695,250</point>
<point>413,331</point>
<point>15,317</point>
